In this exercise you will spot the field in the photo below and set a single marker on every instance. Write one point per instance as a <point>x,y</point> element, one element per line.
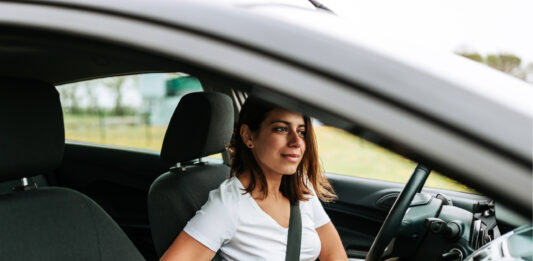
<point>340,152</point>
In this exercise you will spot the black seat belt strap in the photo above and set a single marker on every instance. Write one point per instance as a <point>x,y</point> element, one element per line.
<point>294,237</point>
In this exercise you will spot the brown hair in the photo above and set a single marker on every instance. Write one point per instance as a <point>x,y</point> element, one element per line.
<point>294,187</point>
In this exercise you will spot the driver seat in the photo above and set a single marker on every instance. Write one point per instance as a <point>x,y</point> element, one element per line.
<point>48,223</point>
<point>201,125</point>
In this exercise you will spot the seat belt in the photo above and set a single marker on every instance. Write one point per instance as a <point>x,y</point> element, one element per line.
<point>294,237</point>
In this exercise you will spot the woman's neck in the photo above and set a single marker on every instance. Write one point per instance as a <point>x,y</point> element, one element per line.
<point>273,184</point>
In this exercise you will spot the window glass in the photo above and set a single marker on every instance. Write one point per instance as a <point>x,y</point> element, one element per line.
<point>130,111</point>
<point>343,153</point>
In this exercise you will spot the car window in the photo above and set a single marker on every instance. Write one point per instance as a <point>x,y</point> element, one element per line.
<point>128,111</point>
<point>343,153</point>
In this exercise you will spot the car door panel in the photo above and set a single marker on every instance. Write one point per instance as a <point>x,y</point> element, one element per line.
<point>363,204</point>
<point>118,179</point>
<point>355,213</point>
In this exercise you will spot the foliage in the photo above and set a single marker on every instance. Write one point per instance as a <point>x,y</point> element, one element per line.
<point>505,62</point>
<point>83,97</point>
<point>473,56</point>
<point>116,84</point>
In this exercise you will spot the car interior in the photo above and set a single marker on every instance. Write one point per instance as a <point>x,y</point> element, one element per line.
<point>73,200</point>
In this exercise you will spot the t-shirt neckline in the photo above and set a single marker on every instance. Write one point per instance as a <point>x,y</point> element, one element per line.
<point>258,208</point>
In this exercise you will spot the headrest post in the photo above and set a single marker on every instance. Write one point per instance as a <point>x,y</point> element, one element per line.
<point>25,182</point>
<point>200,162</point>
<point>25,185</point>
<point>177,168</point>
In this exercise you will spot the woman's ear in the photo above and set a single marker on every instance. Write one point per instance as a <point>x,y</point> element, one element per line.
<point>246,136</point>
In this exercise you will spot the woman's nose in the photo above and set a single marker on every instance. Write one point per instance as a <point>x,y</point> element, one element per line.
<point>294,139</point>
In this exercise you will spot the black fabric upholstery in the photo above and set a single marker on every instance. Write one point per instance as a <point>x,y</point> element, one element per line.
<point>47,223</point>
<point>201,125</point>
<point>59,224</point>
<point>174,198</point>
<point>31,137</point>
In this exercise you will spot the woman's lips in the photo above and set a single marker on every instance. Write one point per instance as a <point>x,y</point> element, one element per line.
<point>291,157</point>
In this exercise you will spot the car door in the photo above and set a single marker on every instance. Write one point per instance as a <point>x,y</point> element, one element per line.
<point>380,90</point>
<point>304,67</point>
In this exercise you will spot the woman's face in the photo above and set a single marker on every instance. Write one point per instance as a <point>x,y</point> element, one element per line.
<point>279,144</point>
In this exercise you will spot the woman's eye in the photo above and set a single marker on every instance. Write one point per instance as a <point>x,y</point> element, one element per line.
<point>280,129</point>
<point>301,133</point>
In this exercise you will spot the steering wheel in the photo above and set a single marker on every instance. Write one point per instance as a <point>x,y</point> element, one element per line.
<point>394,219</point>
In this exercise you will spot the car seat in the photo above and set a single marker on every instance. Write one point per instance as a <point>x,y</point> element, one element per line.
<point>201,125</point>
<point>46,223</point>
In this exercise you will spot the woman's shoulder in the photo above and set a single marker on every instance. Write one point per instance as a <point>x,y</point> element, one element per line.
<point>223,201</point>
<point>229,192</point>
<point>216,222</point>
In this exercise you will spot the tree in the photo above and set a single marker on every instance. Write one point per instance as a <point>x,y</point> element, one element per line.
<point>69,97</point>
<point>505,62</point>
<point>529,73</point>
<point>115,84</point>
<point>473,56</point>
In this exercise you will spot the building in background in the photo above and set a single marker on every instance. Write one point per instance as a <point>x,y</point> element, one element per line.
<point>162,94</point>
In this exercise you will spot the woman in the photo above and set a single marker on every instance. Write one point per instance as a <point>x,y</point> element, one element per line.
<point>274,165</point>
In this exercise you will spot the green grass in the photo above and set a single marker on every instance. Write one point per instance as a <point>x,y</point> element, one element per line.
<point>346,154</point>
<point>340,152</point>
<point>90,128</point>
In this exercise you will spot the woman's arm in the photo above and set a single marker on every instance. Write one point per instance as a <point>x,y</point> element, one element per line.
<point>186,247</point>
<point>332,248</point>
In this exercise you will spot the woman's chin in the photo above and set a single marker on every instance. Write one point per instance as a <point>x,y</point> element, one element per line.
<point>289,171</point>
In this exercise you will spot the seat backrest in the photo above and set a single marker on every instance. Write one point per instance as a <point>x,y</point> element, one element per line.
<point>201,125</point>
<point>49,223</point>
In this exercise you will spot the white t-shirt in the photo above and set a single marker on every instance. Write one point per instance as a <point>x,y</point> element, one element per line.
<point>233,223</point>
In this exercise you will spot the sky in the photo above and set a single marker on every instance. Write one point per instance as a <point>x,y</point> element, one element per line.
<point>484,26</point>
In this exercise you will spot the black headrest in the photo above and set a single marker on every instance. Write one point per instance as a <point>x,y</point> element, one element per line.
<point>32,137</point>
<point>201,125</point>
